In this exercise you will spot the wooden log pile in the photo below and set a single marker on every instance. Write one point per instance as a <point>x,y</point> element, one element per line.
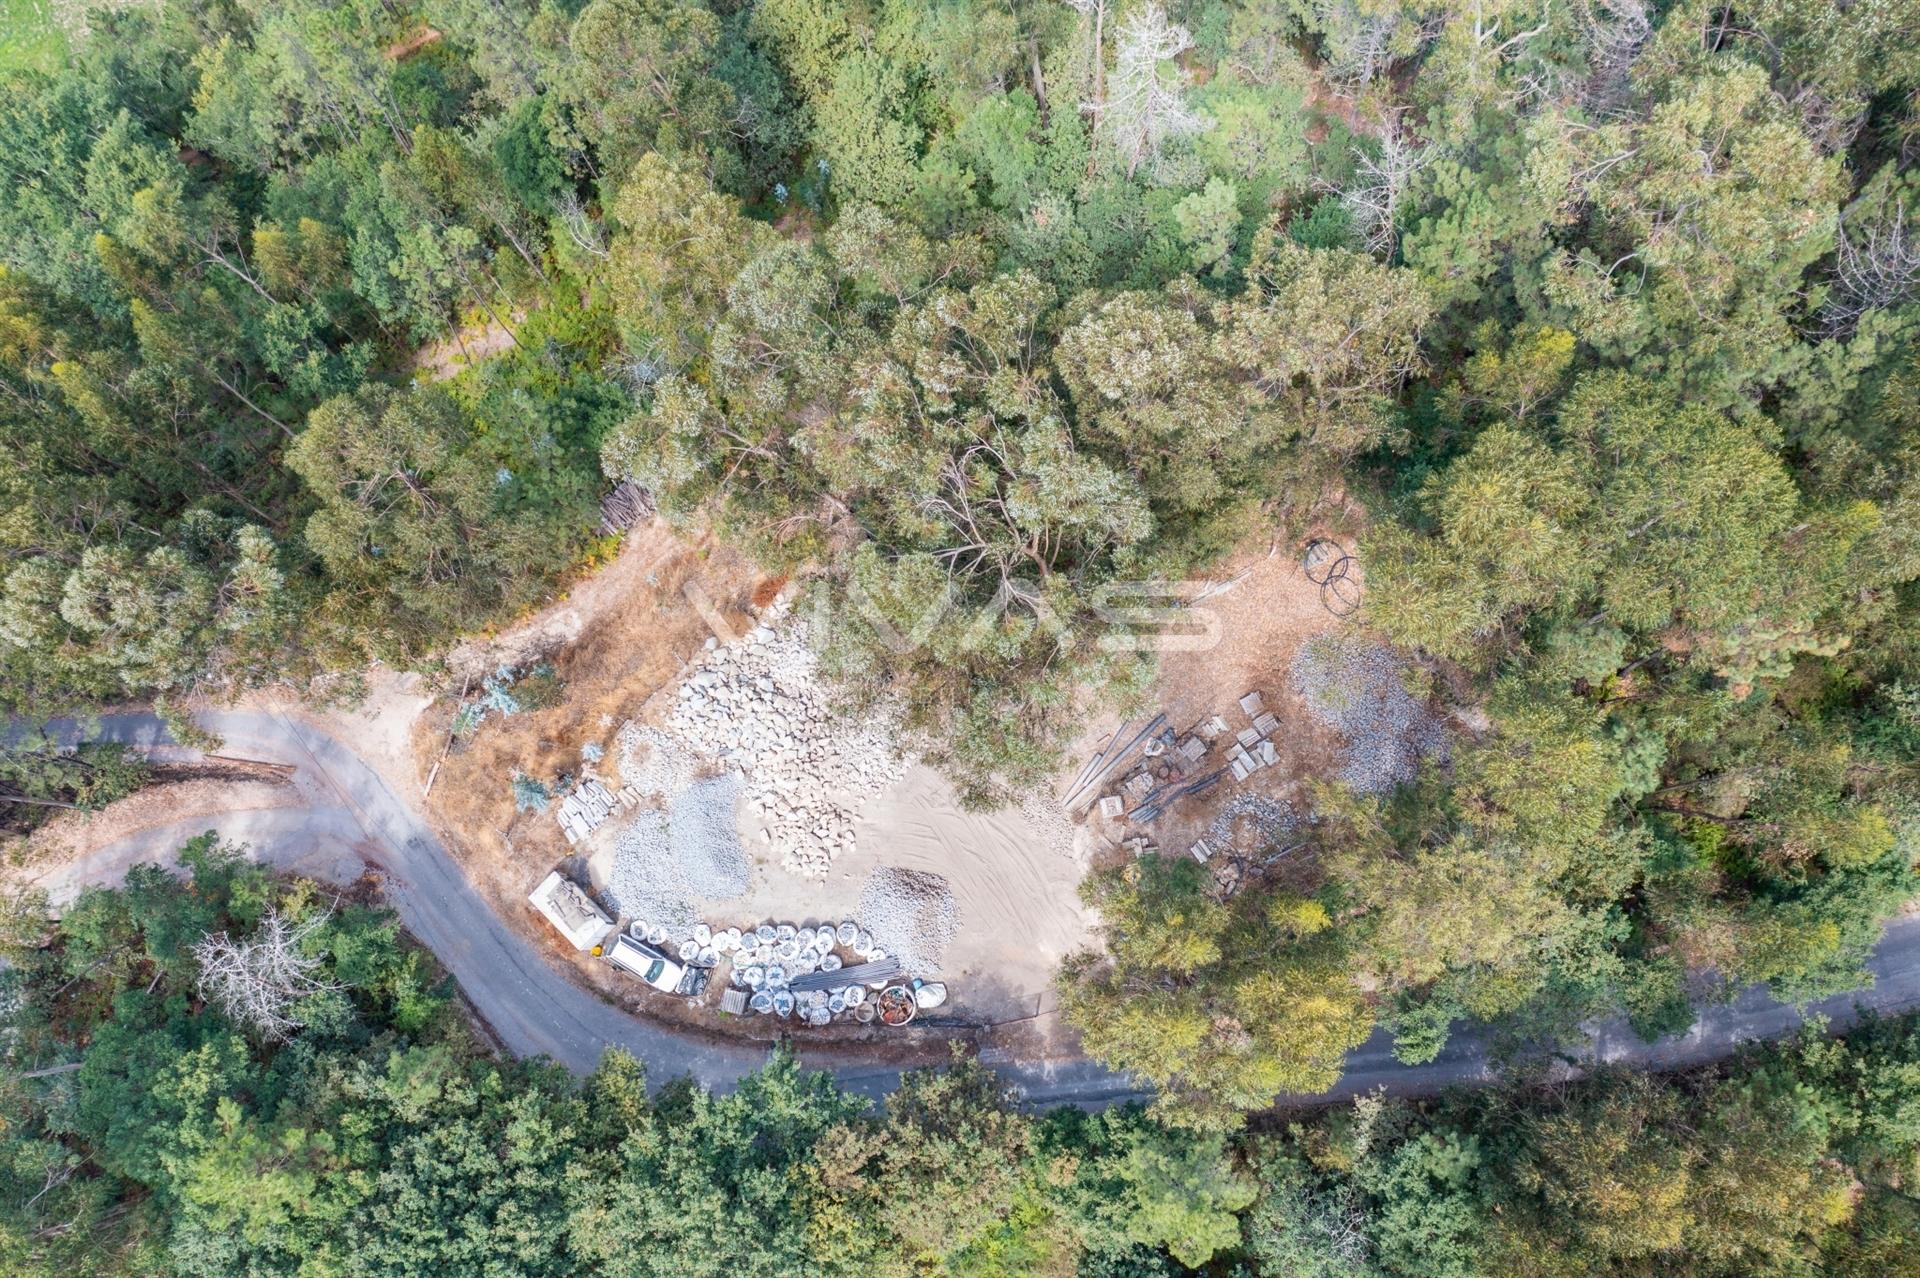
<point>624,507</point>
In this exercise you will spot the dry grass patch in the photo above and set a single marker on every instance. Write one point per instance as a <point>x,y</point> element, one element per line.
<point>616,639</point>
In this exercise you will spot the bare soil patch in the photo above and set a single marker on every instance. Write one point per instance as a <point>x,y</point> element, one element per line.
<point>69,835</point>
<point>437,361</point>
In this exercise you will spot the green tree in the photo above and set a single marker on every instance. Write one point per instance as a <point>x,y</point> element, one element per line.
<point>420,531</point>
<point>703,1184</point>
<point>1323,339</point>
<point>1222,1007</point>
<point>681,247</point>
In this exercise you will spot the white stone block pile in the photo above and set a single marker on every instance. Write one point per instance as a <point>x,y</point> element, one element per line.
<point>760,706</point>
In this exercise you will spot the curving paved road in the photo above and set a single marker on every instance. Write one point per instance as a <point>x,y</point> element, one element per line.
<point>348,817</point>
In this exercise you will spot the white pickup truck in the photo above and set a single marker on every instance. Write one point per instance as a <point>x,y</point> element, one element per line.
<point>666,974</point>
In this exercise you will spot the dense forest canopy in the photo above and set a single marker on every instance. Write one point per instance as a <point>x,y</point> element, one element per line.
<point>345,1122</point>
<point>1603,310</point>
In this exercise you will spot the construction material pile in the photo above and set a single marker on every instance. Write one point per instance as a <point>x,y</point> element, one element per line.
<point>817,973</point>
<point>665,863</point>
<point>771,959</point>
<point>583,811</point>
<point>1359,689</point>
<point>911,915</point>
<point>759,706</point>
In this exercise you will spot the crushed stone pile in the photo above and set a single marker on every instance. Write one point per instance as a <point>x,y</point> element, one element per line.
<point>1050,822</point>
<point>705,841</point>
<point>1249,822</point>
<point>911,915</point>
<point>760,706</point>
<point>644,881</point>
<point>666,862</point>
<point>654,763</point>
<point>1359,689</point>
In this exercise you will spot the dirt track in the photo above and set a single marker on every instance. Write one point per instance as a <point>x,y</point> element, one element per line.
<point>350,818</point>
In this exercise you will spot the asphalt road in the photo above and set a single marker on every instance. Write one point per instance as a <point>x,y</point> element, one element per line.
<point>348,818</point>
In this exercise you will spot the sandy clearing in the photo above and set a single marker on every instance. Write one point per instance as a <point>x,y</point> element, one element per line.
<point>380,725</point>
<point>1018,895</point>
<point>1264,618</point>
<point>1017,898</point>
<point>615,639</point>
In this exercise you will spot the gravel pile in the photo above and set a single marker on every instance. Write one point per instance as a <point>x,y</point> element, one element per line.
<point>760,706</point>
<point>911,915</point>
<point>1050,822</point>
<point>666,862</point>
<point>654,763</point>
<point>1359,689</point>
<point>1261,819</point>
<point>644,881</point>
<point>706,842</point>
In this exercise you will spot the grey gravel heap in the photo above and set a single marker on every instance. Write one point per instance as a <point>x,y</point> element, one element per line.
<point>1359,689</point>
<point>705,840</point>
<point>644,881</point>
<point>664,863</point>
<point>1259,819</point>
<point>911,915</point>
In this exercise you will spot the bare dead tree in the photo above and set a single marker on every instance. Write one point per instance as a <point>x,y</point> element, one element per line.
<point>1528,80</point>
<point>1616,31</point>
<point>1373,196</point>
<point>1145,110</point>
<point>259,982</point>
<point>1877,265</point>
<point>581,229</point>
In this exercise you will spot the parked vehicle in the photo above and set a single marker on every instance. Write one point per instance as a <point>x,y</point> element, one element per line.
<point>657,968</point>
